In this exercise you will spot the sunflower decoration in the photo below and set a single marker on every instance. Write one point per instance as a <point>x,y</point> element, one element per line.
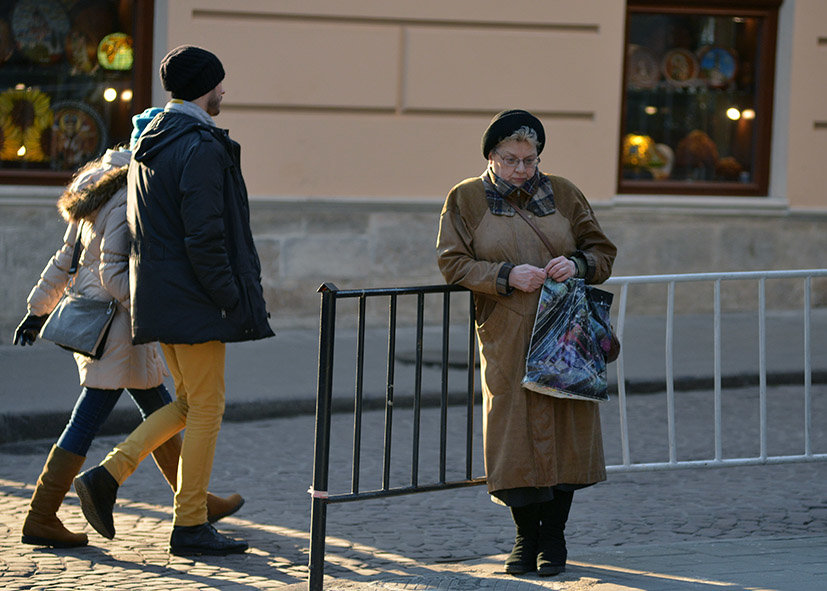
<point>25,114</point>
<point>11,141</point>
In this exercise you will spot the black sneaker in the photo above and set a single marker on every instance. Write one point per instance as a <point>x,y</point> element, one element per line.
<point>97,490</point>
<point>195,540</point>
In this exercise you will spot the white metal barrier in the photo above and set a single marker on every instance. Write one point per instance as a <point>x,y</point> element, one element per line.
<point>319,490</point>
<point>761,277</point>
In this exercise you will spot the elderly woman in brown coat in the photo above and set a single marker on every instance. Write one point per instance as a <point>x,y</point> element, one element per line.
<point>538,449</point>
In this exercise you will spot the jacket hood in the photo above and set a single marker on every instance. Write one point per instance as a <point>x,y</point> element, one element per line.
<point>94,186</point>
<point>163,130</point>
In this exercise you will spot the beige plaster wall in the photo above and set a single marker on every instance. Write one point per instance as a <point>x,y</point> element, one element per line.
<point>806,172</point>
<point>356,117</point>
<point>389,99</point>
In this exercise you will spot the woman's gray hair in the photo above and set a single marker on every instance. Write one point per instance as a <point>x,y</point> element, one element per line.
<point>523,134</point>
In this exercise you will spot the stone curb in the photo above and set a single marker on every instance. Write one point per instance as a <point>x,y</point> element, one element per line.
<point>15,427</point>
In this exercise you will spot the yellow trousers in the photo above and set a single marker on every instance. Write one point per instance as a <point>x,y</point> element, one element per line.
<point>198,374</point>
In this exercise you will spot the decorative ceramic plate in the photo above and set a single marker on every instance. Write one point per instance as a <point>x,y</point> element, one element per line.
<point>665,161</point>
<point>79,134</point>
<point>718,66</point>
<point>680,67</point>
<point>40,28</point>
<point>642,69</point>
<point>81,51</point>
<point>115,52</point>
<point>6,42</point>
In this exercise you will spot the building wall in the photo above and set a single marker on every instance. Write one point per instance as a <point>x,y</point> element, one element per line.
<point>356,118</point>
<point>806,173</point>
<point>376,99</point>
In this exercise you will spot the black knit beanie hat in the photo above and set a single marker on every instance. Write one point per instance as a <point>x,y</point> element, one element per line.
<point>507,122</point>
<point>189,72</point>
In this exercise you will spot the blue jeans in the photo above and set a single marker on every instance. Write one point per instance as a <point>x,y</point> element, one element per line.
<point>93,407</point>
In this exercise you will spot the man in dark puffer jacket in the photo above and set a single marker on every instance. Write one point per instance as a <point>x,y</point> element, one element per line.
<point>195,285</point>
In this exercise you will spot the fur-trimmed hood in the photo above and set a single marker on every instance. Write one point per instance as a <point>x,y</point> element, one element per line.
<point>94,186</point>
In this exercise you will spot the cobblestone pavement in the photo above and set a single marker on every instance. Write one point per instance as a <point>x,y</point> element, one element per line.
<point>439,539</point>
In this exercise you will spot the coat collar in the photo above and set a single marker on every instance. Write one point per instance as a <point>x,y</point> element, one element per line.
<point>191,109</point>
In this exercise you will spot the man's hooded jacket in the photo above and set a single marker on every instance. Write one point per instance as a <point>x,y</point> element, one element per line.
<point>195,275</point>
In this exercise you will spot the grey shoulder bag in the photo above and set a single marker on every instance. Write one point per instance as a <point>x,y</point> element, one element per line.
<point>78,323</point>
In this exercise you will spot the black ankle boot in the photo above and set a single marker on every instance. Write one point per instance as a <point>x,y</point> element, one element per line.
<point>551,558</point>
<point>97,490</point>
<point>523,558</point>
<point>195,540</point>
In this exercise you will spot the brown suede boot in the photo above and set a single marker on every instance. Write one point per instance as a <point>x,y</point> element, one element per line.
<point>42,526</point>
<point>166,456</point>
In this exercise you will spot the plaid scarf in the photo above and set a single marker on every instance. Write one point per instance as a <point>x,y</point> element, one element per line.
<point>498,191</point>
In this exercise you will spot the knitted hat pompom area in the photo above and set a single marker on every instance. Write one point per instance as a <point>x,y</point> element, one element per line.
<point>189,72</point>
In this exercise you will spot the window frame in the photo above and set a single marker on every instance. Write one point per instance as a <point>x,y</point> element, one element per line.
<point>141,96</point>
<point>758,184</point>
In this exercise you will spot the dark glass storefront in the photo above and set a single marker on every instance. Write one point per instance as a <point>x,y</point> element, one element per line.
<point>697,108</point>
<point>72,73</point>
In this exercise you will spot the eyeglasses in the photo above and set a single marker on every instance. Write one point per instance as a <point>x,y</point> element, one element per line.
<point>512,162</point>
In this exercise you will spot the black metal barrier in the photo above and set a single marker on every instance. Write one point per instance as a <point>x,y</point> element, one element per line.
<point>330,294</point>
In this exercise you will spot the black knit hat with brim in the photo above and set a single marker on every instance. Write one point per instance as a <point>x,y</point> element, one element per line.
<point>189,72</point>
<point>507,122</point>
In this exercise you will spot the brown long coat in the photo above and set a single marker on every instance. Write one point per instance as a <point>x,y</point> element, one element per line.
<point>530,440</point>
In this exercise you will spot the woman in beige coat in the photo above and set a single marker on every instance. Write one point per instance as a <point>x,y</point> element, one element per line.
<point>538,449</point>
<point>94,205</point>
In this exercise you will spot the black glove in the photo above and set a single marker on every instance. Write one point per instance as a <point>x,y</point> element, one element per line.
<point>27,331</point>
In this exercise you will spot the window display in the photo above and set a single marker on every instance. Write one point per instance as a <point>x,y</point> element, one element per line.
<point>67,83</point>
<point>697,99</point>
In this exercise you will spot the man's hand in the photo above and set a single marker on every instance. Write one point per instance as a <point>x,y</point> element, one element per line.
<point>526,278</point>
<point>560,269</point>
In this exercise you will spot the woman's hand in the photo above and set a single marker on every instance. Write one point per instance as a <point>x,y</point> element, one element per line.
<point>560,269</point>
<point>526,278</point>
<point>28,330</point>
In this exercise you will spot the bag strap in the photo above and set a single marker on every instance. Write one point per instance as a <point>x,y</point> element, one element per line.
<point>73,268</point>
<point>526,216</point>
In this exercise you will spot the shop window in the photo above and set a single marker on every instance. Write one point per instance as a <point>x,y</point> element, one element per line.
<point>697,97</point>
<point>72,73</point>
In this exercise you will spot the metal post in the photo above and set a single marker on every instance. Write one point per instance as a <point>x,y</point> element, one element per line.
<point>621,378</point>
<point>443,401</point>
<point>670,376</point>
<point>719,449</point>
<point>469,399</point>
<point>386,460</point>
<point>417,409</point>
<point>357,402</point>
<point>762,363</point>
<point>808,369</point>
<point>321,448</point>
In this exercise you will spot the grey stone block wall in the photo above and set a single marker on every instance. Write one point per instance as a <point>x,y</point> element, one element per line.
<point>363,244</point>
<point>29,236</point>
